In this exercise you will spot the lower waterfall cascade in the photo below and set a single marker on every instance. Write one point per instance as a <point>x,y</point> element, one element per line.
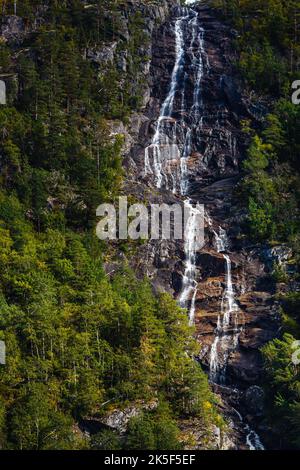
<point>227,332</point>
<point>167,168</point>
<point>189,285</point>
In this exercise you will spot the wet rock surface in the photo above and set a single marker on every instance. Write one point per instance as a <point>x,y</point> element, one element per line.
<point>117,419</point>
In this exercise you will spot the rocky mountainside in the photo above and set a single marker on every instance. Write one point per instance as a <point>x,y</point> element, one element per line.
<point>215,153</point>
<point>140,98</point>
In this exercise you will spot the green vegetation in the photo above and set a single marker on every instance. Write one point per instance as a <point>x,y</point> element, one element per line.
<point>268,45</point>
<point>283,387</point>
<point>76,340</point>
<point>79,343</point>
<point>271,185</point>
<point>268,41</point>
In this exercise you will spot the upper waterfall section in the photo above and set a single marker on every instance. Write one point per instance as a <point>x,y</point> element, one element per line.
<point>181,114</point>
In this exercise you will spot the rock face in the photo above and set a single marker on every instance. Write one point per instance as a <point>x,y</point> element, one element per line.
<point>103,56</point>
<point>213,168</point>
<point>13,29</point>
<point>119,419</point>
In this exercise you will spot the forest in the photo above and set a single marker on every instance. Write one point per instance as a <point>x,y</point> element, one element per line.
<point>78,343</point>
<point>268,47</point>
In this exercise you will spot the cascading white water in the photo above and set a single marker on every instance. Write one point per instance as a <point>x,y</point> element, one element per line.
<point>166,150</point>
<point>198,57</point>
<point>198,64</point>
<point>163,147</point>
<point>189,285</point>
<point>227,331</point>
<point>172,142</point>
<point>189,288</point>
<point>252,438</point>
<point>221,240</point>
<point>163,155</point>
<point>229,305</point>
<point>227,334</point>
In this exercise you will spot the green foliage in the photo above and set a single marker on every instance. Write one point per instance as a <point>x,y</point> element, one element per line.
<point>56,143</point>
<point>259,155</point>
<point>268,41</point>
<point>290,313</point>
<point>283,388</point>
<point>76,340</point>
<point>263,68</point>
<point>279,273</point>
<point>79,343</point>
<point>268,47</point>
<point>271,186</point>
<point>288,124</point>
<point>36,424</point>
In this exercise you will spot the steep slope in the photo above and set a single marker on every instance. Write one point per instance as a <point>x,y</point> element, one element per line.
<point>86,350</point>
<point>194,151</point>
<point>152,82</point>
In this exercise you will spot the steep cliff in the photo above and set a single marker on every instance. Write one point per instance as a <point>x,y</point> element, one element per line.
<point>231,274</point>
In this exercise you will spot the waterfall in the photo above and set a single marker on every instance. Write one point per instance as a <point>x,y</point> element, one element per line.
<point>227,332</point>
<point>252,438</point>
<point>196,48</point>
<point>164,147</point>
<point>221,239</point>
<point>166,163</point>
<point>229,305</point>
<point>172,143</point>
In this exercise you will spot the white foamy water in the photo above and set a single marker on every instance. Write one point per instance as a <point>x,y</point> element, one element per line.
<point>227,332</point>
<point>189,285</point>
<point>167,157</point>
<point>163,148</point>
<point>253,440</point>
